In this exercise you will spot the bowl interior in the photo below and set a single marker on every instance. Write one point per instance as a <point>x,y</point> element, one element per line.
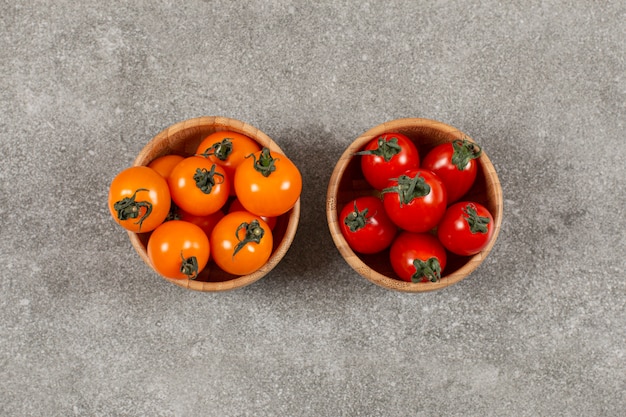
<point>347,182</point>
<point>182,139</point>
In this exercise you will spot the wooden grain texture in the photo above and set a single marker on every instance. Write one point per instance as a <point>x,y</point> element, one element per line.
<point>183,139</point>
<point>347,182</point>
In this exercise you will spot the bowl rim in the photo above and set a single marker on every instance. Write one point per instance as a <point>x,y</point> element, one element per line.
<point>355,261</point>
<point>220,123</point>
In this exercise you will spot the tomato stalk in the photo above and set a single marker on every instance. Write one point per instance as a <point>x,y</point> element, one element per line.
<point>221,150</point>
<point>189,266</point>
<point>464,151</point>
<point>205,179</point>
<point>356,219</point>
<point>476,223</point>
<point>254,233</point>
<point>386,148</point>
<point>173,213</point>
<point>128,208</point>
<point>429,269</point>
<point>265,163</point>
<point>409,188</point>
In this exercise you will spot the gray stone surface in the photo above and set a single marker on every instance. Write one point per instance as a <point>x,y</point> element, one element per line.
<point>538,330</point>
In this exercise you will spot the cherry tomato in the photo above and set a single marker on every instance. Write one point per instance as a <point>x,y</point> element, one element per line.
<point>199,186</point>
<point>178,249</point>
<point>241,243</point>
<point>268,184</point>
<point>165,164</point>
<point>227,149</point>
<point>237,206</point>
<point>206,223</point>
<point>386,157</point>
<point>366,226</point>
<point>416,200</point>
<point>455,164</point>
<point>139,199</point>
<point>417,257</point>
<point>466,228</point>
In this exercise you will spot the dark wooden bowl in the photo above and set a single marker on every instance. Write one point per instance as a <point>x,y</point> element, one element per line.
<point>182,139</point>
<point>347,182</point>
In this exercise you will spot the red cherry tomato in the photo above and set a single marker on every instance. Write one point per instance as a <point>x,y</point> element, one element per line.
<point>366,226</point>
<point>241,243</point>
<point>199,186</point>
<point>455,164</point>
<point>416,200</point>
<point>237,206</point>
<point>386,157</point>
<point>178,249</point>
<point>466,228</point>
<point>417,257</point>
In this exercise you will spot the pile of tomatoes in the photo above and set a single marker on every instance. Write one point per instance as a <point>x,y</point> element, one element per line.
<point>219,204</point>
<point>417,210</point>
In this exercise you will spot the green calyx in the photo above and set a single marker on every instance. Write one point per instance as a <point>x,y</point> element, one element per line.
<point>266,162</point>
<point>173,214</point>
<point>221,150</point>
<point>477,224</point>
<point>387,148</point>
<point>129,208</point>
<point>254,234</point>
<point>205,179</point>
<point>429,269</point>
<point>464,151</point>
<point>189,266</point>
<point>409,188</point>
<point>356,219</point>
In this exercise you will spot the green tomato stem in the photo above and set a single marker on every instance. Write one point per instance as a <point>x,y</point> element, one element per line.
<point>189,266</point>
<point>476,223</point>
<point>128,208</point>
<point>356,219</point>
<point>205,179</point>
<point>266,162</point>
<point>387,148</point>
<point>429,269</point>
<point>409,188</point>
<point>464,151</point>
<point>221,150</point>
<point>254,234</point>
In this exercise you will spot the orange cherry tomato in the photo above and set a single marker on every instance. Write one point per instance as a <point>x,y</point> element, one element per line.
<point>227,149</point>
<point>241,243</point>
<point>199,186</point>
<point>206,223</point>
<point>237,206</point>
<point>165,164</point>
<point>178,249</point>
<point>139,199</point>
<point>268,184</point>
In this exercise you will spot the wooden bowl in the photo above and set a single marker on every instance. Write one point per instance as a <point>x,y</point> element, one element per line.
<point>347,182</point>
<point>182,139</point>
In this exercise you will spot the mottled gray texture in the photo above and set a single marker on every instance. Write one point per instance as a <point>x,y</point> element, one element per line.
<point>88,329</point>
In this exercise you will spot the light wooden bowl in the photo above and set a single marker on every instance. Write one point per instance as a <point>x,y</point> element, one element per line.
<point>182,139</point>
<point>347,182</point>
